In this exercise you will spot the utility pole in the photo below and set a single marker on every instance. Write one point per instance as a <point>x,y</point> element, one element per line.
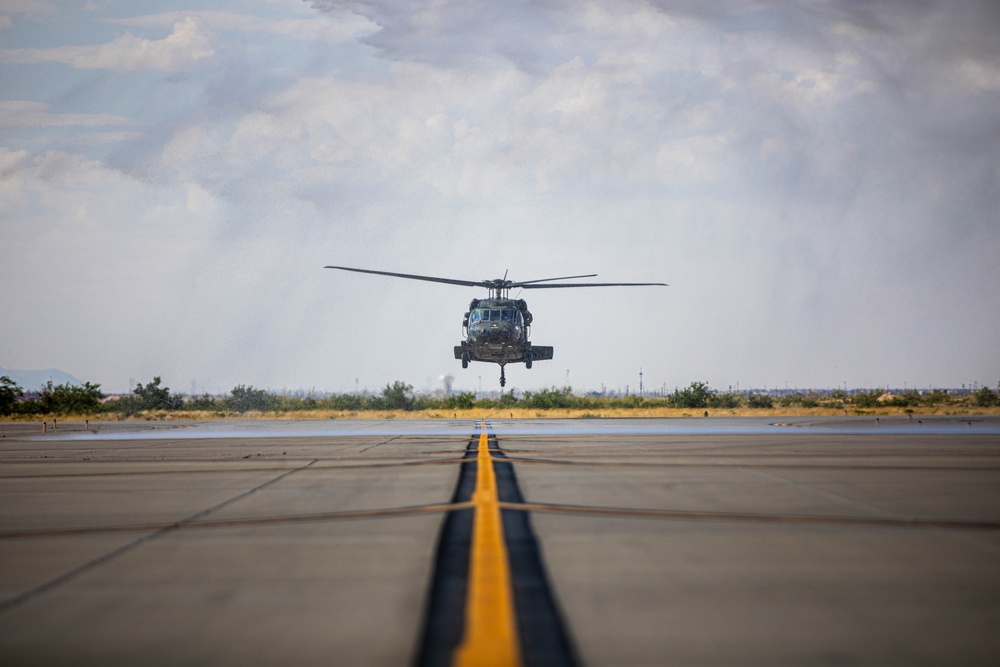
<point>640,382</point>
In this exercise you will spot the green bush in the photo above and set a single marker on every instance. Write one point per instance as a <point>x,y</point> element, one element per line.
<point>865,399</point>
<point>631,401</point>
<point>246,398</point>
<point>398,396</point>
<point>789,400</point>
<point>66,399</point>
<point>154,397</point>
<point>759,401</point>
<point>547,399</point>
<point>507,400</point>
<point>936,398</point>
<point>203,402</point>
<point>986,398</point>
<point>463,401</point>
<point>906,399</point>
<point>696,395</point>
<point>10,394</point>
<point>724,401</point>
<point>343,402</point>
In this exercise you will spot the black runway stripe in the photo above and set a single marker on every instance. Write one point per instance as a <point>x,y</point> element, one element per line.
<point>444,618</point>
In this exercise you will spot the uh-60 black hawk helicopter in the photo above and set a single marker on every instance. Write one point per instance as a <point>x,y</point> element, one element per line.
<point>496,329</point>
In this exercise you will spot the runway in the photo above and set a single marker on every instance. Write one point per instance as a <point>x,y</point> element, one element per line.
<point>623,542</point>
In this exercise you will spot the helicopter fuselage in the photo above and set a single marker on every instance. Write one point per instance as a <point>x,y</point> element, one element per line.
<point>496,331</point>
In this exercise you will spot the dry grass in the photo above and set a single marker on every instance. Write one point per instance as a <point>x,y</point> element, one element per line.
<point>520,413</point>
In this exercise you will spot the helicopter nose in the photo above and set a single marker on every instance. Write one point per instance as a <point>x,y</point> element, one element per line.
<point>495,332</point>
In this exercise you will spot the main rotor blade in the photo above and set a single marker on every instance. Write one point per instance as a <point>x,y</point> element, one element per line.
<point>449,281</point>
<point>593,285</point>
<point>500,283</point>
<point>545,280</point>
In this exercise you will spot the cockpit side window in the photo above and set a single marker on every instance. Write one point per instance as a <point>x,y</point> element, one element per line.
<point>508,315</point>
<point>479,315</point>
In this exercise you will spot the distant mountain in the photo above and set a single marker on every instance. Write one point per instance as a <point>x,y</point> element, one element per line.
<point>33,380</point>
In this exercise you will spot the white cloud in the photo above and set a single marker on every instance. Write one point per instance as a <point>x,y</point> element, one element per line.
<point>980,75</point>
<point>186,45</point>
<point>24,113</point>
<point>89,244</point>
<point>27,7</point>
<point>345,28</point>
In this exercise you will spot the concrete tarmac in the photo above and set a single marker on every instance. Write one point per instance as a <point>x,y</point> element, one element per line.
<point>688,542</point>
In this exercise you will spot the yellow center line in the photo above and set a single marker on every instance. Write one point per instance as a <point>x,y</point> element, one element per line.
<point>490,626</point>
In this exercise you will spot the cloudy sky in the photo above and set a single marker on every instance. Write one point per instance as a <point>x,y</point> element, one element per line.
<point>818,182</point>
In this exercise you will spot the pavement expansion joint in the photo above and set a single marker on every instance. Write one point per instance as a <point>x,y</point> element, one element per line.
<point>203,524</point>
<point>155,531</point>
<point>810,519</point>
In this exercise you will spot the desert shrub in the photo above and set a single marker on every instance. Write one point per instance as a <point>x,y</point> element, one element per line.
<point>759,401</point>
<point>986,398</point>
<point>10,394</point>
<point>397,396</point>
<point>936,398</point>
<point>789,400</point>
<point>64,399</point>
<point>864,399</point>
<point>463,401</point>
<point>507,400</point>
<point>425,402</point>
<point>547,399</point>
<point>809,401</point>
<point>203,402</point>
<point>696,395</point>
<point>154,397</point>
<point>344,402</point>
<point>906,399</point>
<point>246,398</point>
<point>728,400</point>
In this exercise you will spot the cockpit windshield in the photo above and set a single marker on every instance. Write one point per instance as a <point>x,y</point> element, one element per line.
<point>494,315</point>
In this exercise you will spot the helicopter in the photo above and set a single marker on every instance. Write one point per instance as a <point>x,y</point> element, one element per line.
<point>496,328</point>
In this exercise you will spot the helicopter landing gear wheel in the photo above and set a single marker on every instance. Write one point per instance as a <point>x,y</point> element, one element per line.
<point>465,360</point>
<point>503,378</point>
